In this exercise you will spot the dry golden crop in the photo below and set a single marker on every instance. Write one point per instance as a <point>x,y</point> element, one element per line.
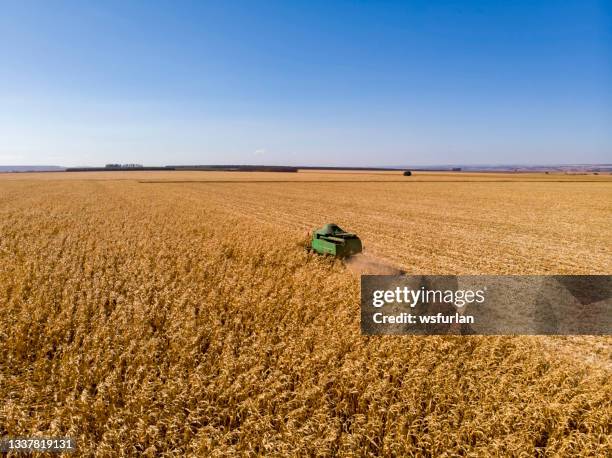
<point>173,314</point>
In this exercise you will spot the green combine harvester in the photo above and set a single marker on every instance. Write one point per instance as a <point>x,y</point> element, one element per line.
<point>331,239</point>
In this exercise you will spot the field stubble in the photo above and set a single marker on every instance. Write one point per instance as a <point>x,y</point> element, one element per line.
<point>186,318</point>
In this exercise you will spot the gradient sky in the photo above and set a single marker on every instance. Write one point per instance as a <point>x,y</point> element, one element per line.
<point>305,82</point>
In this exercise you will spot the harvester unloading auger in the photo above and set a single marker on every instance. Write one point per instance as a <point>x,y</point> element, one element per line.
<point>333,240</point>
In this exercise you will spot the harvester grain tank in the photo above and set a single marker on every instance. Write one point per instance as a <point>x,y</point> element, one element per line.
<point>333,240</point>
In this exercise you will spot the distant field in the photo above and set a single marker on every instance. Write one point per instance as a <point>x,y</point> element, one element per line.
<point>178,313</point>
<point>309,175</point>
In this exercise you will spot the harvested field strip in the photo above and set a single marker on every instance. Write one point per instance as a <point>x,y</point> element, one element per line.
<point>306,176</point>
<point>405,181</point>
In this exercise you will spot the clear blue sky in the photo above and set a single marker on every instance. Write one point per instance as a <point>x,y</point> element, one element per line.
<point>305,82</point>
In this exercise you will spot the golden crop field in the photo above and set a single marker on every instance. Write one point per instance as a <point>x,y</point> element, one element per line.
<point>177,314</point>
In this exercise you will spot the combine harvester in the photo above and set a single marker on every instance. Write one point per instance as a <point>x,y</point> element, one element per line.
<point>333,240</point>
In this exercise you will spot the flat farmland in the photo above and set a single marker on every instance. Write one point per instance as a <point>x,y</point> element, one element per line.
<point>441,227</point>
<point>177,313</point>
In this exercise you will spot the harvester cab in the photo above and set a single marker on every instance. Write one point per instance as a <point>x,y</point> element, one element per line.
<point>331,239</point>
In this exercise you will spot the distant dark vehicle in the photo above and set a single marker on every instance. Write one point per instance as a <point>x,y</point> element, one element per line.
<point>407,173</point>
